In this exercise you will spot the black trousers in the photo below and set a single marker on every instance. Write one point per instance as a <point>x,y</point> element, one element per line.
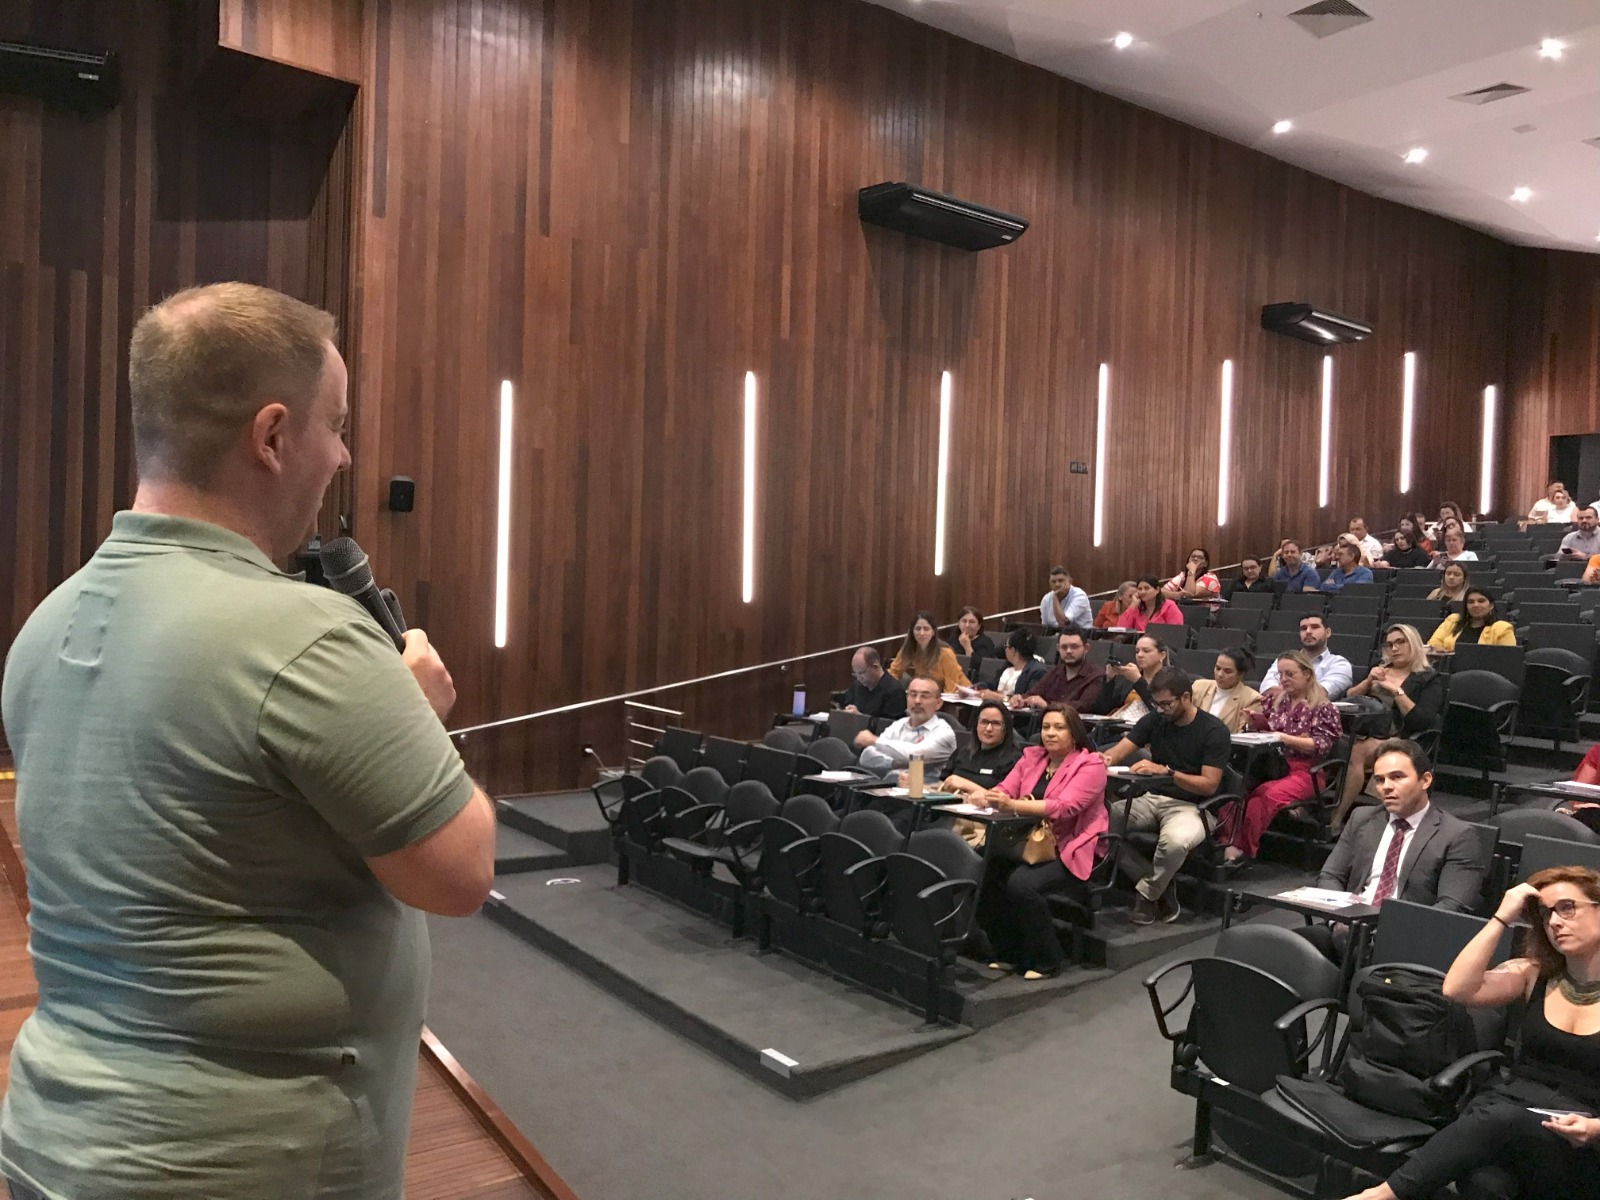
<point>1497,1129</point>
<point>1013,911</point>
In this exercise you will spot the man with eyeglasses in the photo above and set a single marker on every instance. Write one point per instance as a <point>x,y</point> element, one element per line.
<point>1408,848</point>
<point>875,692</point>
<point>1188,751</point>
<point>1333,671</point>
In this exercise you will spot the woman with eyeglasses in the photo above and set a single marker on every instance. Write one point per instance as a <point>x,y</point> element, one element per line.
<point>1307,726</point>
<point>1455,549</point>
<point>1062,782</point>
<point>1252,577</point>
<point>989,759</point>
<point>1542,1123</point>
<point>1196,581</point>
<point>1478,623</point>
<point>1410,690</point>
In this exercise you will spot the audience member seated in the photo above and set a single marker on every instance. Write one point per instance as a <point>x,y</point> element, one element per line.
<point>969,638</point>
<point>1479,623</point>
<point>1537,1123</point>
<point>1588,770</point>
<point>1023,671</point>
<point>1411,692</point>
<point>1370,547</point>
<point>1150,605</point>
<point>1409,848</point>
<point>1452,585</point>
<point>1251,578</point>
<point>1405,552</point>
<point>1226,696</point>
<point>1333,671</point>
<point>1063,605</point>
<point>1417,526</point>
<point>1307,726</point>
<point>921,732</point>
<point>1195,581</point>
<point>1062,782</point>
<point>1113,608</point>
<point>1556,508</point>
<point>875,692</point>
<point>1591,570</point>
<point>1584,541</point>
<point>1073,680</point>
<point>1188,751</point>
<point>1347,568</point>
<point>1449,510</point>
<point>922,653</point>
<point>1126,692</point>
<point>989,759</point>
<point>1291,571</point>
<point>1455,549</point>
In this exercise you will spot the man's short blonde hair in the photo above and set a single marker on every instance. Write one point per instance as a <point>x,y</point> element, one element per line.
<point>203,362</point>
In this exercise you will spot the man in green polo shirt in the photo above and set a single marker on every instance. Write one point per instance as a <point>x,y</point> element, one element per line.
<point>234,799</point>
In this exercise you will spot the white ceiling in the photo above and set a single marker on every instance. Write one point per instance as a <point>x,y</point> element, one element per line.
<point>1359,99</point>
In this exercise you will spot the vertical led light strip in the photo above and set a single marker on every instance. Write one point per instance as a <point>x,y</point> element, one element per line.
<point>1486,476</point>
<point>1408,405</point>
<point>502,533</point>
<point>747,585</point>
<point>944,473</point>
<point>1327,431</point>
<point>1102,401</point>
<point>1225,443</point>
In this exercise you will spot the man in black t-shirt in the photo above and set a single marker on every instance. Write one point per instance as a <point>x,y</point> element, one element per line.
<point>1188,751</point>
<point>874,693</point>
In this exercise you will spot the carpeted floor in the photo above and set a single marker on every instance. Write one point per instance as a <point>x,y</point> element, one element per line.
<point>1067,1101</point>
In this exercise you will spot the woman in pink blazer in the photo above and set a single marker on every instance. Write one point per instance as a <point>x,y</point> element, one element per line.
<point>1150,605</point>
<point>1062,781</point>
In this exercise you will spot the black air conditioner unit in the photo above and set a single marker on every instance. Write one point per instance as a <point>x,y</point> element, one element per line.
<point>84,82</point>
<point>906,208</point>
<point>1312,324</point>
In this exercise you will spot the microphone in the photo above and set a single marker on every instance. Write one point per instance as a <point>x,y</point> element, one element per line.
<point>605,771</point>
<point>345,566</point>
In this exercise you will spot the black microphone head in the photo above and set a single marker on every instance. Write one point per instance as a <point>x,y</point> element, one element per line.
<point>345,566</point>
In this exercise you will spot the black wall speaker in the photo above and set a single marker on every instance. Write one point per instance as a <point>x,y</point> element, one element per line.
<point>402,494</point>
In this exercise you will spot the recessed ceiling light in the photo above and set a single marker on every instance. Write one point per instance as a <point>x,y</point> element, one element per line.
<point>1122,41</point>
<point>1522,195</point>
<point>1416,154</point>
<point>1283,127</point>
<point>1551,48</point>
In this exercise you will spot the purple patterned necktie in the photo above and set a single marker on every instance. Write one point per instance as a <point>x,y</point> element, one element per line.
<point>1391,860</point>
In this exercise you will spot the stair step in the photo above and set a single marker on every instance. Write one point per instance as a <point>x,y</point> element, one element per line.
<point>570,821</point>
<point>515,852</point>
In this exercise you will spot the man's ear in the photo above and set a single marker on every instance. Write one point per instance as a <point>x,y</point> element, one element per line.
<point>1427,781</point>
<point>268,433</point>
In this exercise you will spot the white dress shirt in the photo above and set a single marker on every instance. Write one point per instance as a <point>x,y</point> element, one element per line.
<point>1372,548</point>
<point>1076,606</point>
<point>1333,672</point>
<point>933,740</point>
<point>1543,510</point>
<point>1375,872</point>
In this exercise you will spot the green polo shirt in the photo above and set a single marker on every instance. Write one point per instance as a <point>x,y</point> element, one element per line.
<point>229,1002</point>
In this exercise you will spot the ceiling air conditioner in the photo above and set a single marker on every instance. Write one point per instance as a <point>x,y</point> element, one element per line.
<point>1312,324</point>
<point>906,208</point>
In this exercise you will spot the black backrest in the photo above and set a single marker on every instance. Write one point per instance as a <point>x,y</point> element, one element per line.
<point>811,813</point>
<point>1175,636</point>
<point>989,672</point>
<point>775,768</point>
<point>873,830</point>
<point>1256,600</point>
<point>1504,661</point>
<point>1303,602</point>
<point>1342,602</point>
<point>706,785</point>
<point>1198,663</point>
<point>1248,619</point>
<point>843,727</point>
<point>748,801</point>
<point>1480,689</point>
<point>1561,660</point>
<point>1430,937</point>
<point>726,755</point>
<point>1532,594</point>
<point>1539,852</point>
<point>681,745</point>
<point>1272,642</point>
<point>1356,648</point>
<point>1577,638</point>
<point>1566,613</point>
<point>1422,613</point>
<point>1285,620</point>
<point>1281,953</point>
<point>832,753</point>
<point>784,738</point>
<point>1517,824</point>
<point>948,851</point>
<point>661,771</point>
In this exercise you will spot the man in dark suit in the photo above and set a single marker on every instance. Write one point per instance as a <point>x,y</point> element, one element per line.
<point>1408,849</point>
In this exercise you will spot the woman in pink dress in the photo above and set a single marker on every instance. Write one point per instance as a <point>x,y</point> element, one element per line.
<point>1307,726</point>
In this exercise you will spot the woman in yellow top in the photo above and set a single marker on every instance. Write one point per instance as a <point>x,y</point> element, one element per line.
<point>922,653</point>
<point>1480,623</point>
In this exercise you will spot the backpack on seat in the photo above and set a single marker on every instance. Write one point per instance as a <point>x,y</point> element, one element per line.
<point>1403,1032</point>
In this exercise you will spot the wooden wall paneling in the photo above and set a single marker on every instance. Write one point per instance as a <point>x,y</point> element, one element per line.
<point>322,36</point>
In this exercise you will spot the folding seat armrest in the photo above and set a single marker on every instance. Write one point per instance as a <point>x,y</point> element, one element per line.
<point>1152,986</point>
<point>1216,800</point>
<point>1292,1024</point>
<point>696,821</point>
<point>867,877</point>
<point>960,889</point>
<point>1460,1073</point>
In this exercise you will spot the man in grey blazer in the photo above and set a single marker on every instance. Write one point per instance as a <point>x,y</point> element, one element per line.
<point>1409,849</point>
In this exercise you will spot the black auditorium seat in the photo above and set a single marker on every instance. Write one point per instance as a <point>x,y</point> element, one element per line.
<point>931,892</point>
